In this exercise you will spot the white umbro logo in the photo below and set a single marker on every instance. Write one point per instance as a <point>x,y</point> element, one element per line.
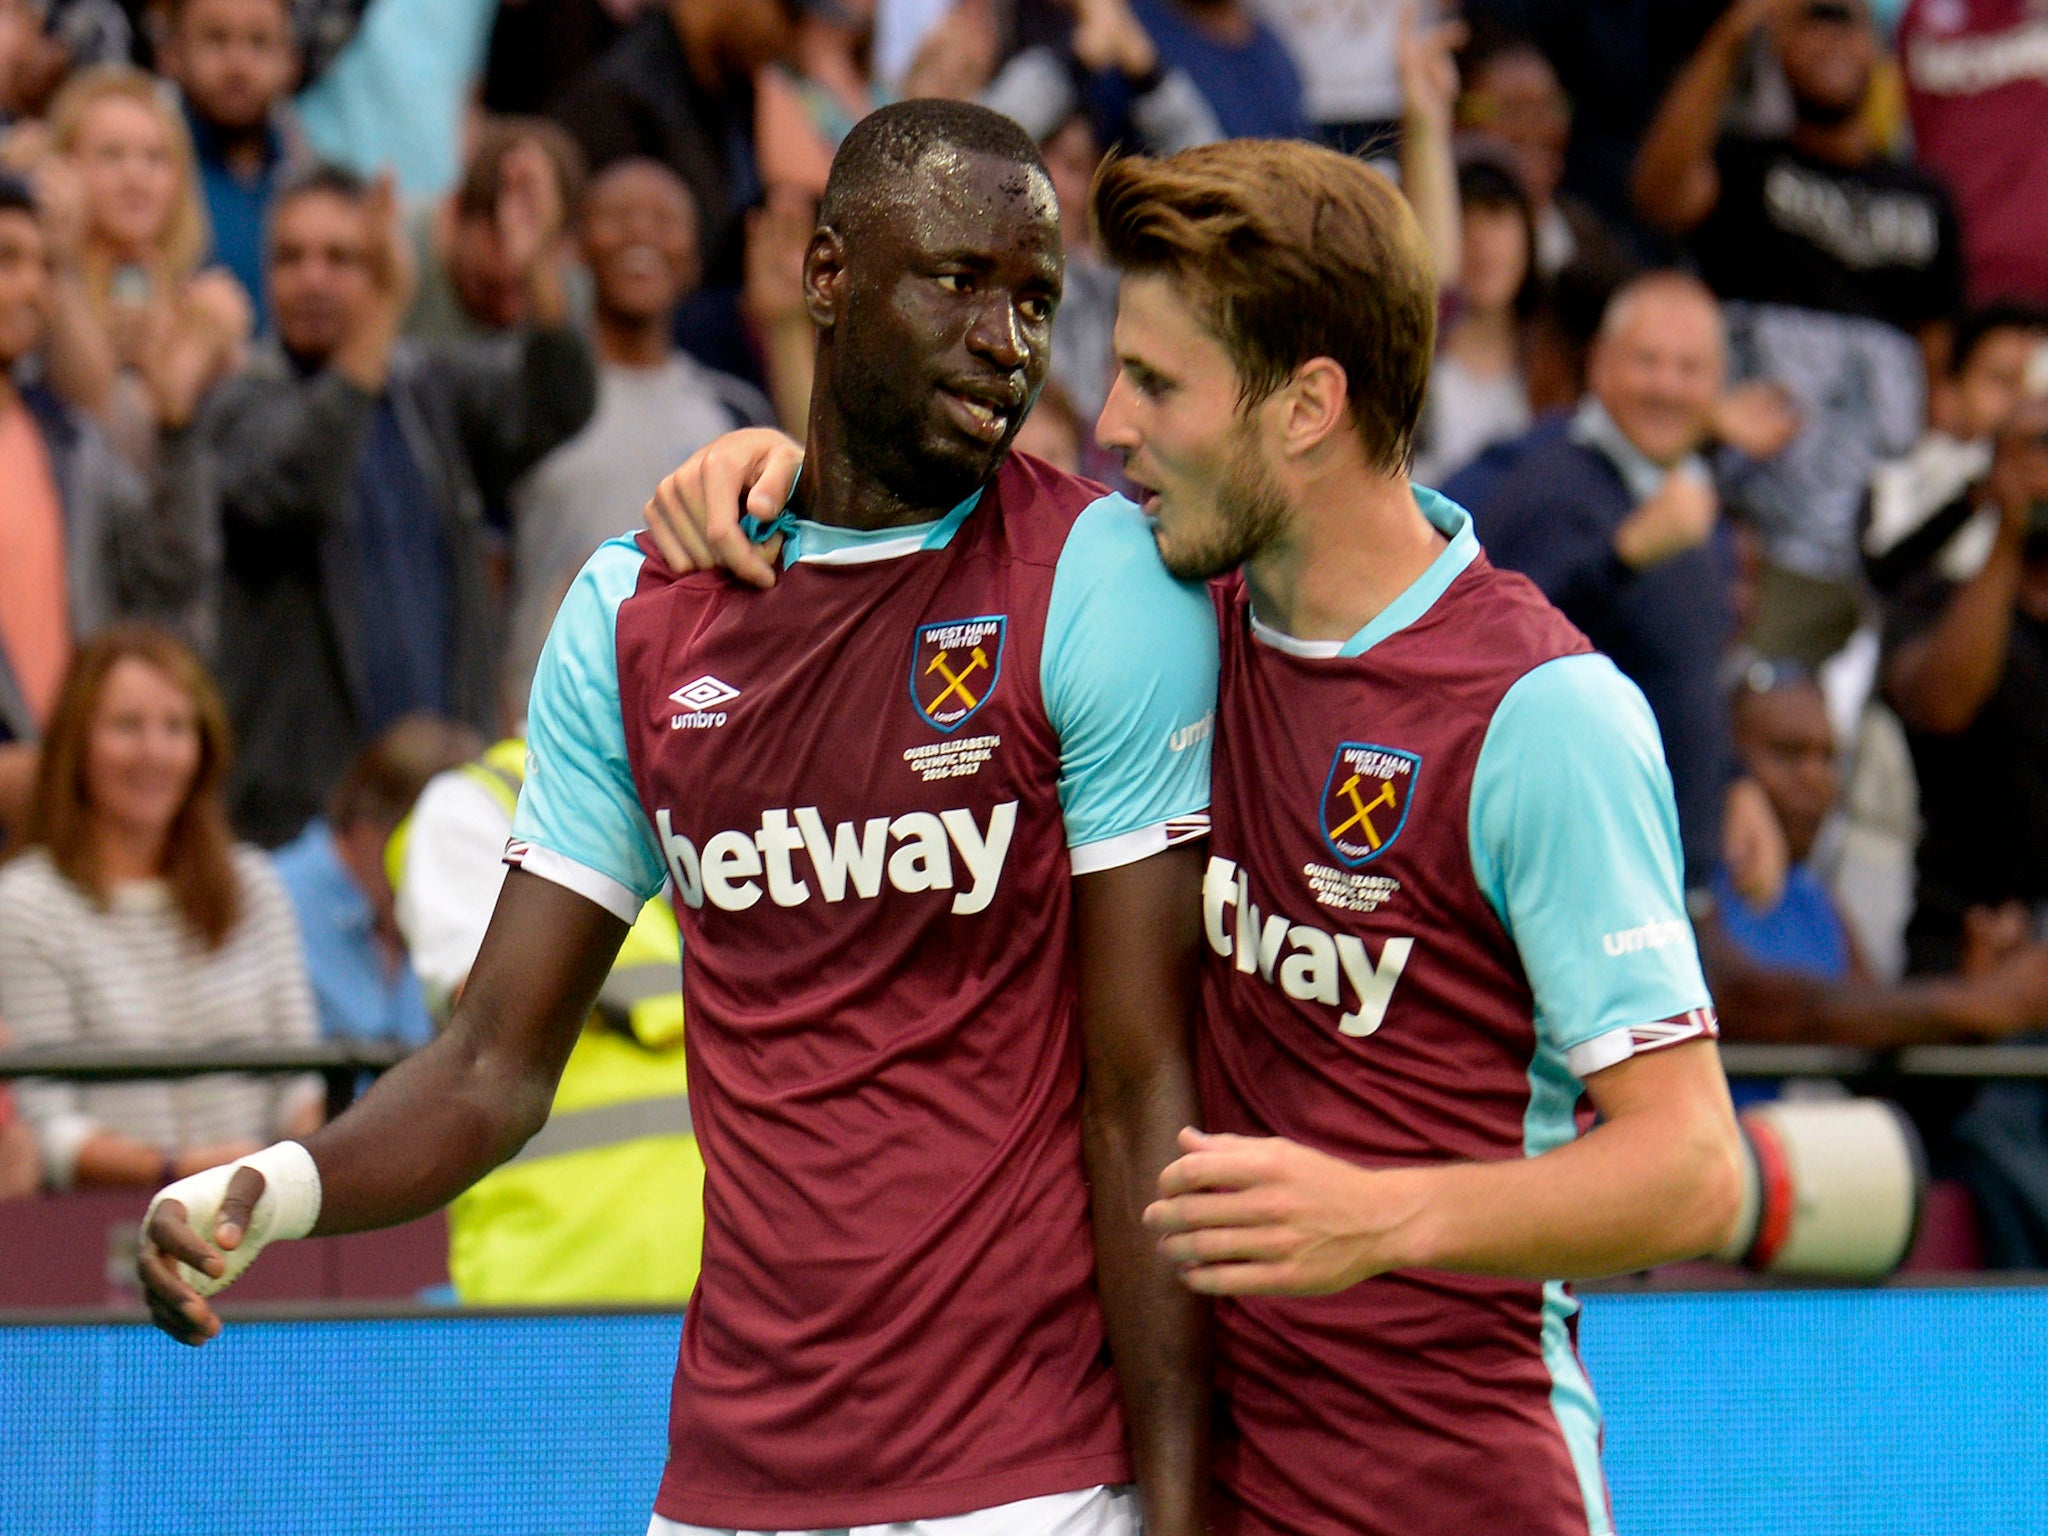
<point>700,700</point>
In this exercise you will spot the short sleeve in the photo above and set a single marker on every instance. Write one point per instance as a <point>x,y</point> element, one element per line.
<point>1129,677</point>
<point>1574,840</point>
<point>579,821</point>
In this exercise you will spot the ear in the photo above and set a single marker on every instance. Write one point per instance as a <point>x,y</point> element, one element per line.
<point>1313,406</point>
<point>825,277</point>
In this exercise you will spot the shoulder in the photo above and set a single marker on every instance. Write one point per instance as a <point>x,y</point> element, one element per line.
<point>1041,505</point>
<point>739,399</point>
<point>257,878</point>
<point>29,881</point>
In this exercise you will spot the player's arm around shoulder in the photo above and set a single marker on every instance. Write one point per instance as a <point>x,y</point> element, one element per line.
<point>1129,678</point>
<point>1591,897</point>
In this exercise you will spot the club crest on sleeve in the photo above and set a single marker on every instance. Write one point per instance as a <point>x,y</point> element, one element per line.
<point>1365,800</point>
<point>953,668</point>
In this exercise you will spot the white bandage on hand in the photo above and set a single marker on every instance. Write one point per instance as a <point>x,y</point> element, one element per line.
<point>288,1207</point>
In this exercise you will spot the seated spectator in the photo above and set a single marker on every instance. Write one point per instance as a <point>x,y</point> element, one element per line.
<point>1840,268</point>
<point>468,286</point>
<point>84,538</point>
<point>353,471</point>
<point>1976,75</point>
<point>21,1164</point>
<point>1793,972</point>
<point>133,920</point>
<point>138,334</point>
<point>1235,60</point>
<point>1478,393</point>
<point>1612,512</point>
<point>1101,61</point>
<point>1928,509</point>
<point>335,874</point>
<point>679,88</point>
<point>656,405</point>
<point>234,63</point>
<point>805,106</point>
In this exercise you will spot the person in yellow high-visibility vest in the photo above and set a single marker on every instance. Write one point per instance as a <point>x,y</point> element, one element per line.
<point>605,1203</point>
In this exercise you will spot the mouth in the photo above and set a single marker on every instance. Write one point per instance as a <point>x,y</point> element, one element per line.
<point>984,414</point>
<point>639,261</point>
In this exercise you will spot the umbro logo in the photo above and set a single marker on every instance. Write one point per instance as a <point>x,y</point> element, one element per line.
<point>700,700</point>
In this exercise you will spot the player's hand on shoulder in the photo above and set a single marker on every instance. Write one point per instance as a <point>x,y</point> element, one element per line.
<point>694,516</point>
<point>177,1266</point>
<point>1245,1215</point>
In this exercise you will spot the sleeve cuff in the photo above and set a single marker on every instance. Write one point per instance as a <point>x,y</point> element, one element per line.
<point>1617,1045</point>
<point>61,1139</point>
<point>1130,847</point>
<point>586,882</point>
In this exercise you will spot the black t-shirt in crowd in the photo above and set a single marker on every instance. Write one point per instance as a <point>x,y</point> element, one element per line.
<point>1983,790</point>
<point>1879,241</point>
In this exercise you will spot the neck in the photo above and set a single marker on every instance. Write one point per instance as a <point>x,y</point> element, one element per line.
<point>126,855</point>
<point>1226,23</point>
<point>839,486</point>
<point>245,151</point>
<point>1355,543</point>
<point>1845,143</point>
<point>1487,338</point>
<point>630,341</point>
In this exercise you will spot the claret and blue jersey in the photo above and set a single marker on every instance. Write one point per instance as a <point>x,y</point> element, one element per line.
<point>869,789</point>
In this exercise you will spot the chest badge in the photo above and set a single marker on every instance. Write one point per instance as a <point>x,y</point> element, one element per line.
<point>1365,800</point>
<point>954,667</point>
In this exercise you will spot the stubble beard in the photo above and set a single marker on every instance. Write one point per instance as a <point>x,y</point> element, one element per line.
<point>1251,513</point>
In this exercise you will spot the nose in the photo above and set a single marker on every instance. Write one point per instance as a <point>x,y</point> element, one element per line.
<point>997,335</point>
<point>1113,428</point>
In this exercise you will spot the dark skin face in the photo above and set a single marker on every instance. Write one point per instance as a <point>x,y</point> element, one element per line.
<point>935,313</point>
<point>1787,744</point>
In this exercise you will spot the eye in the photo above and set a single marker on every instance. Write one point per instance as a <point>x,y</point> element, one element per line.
<point>1037,310</point>
<point>955,282</point>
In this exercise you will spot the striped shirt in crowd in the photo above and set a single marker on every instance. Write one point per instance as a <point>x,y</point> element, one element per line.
<point>133,974</point>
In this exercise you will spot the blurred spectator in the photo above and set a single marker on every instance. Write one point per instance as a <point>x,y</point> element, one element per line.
<point>1346,53</point>
<point>234,62</point>
<point>396,93</point>
<point>323,29</point>
<point>1236,61</point>
<point>1055,431</point>
<point>1083,359</point>
<point>538,46</point>
<point>679,88</point>
<point>1559,336</point>
<point>21,1164</point>
<point>84,538</point>
<point>606,1202</point>
<point>138,334</point>
<point>1966,667</point>
<point>655,405</point>
<point>1977,87</point>
<point>1793,972</point>
<point>804,106</point>
<point>1512,100</point>
<point>953,56</point>
<point>1834,261</point>
<point>1612,512</point>
<point>353,471</point>
<point>1927,510</point>
<point>335,874</point>
<point>133,920</point>
<point>1478,394</point>
<point>468,285</point>
<point>1103,62</point>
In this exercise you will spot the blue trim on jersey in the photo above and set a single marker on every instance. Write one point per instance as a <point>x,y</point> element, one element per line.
<point>1455,524</point>
<point>1572,1403</point>
<point>803,539</point>
<point>1128,670</point>
<point>579,799</point>
<point>1574,843</point>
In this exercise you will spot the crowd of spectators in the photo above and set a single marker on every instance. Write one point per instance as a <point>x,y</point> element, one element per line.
<point>334,334</point>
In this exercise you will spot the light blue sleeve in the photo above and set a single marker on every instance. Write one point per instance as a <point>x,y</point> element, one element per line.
<point>1129,679</point>
<point>1574,840</point>
<point>579,821</point>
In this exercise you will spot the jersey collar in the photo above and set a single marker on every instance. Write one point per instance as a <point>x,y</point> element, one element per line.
<point>808,543</point>
<point>1450,520</point>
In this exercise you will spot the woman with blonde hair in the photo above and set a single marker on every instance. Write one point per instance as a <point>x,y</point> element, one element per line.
<point>138,332</point>
<point>133,919</point>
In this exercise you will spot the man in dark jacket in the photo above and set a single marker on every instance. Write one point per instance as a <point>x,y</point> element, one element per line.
<point>354,469</point>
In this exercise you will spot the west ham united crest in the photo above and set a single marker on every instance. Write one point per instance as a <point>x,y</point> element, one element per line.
<point>1365,802</point>
<point>954,667</point>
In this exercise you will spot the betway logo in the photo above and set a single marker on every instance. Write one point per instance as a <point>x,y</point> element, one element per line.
<point>849,858</point>
<point>1310,968</point>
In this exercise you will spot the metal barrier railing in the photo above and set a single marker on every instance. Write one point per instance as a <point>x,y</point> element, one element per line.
<point>340,1063</point>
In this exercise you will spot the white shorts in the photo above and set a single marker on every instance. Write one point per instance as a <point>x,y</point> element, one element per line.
<point>1099,1511</point>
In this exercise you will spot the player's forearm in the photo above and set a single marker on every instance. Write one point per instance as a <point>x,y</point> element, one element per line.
<point>1627,1195</point>
<point>1158,1331</point>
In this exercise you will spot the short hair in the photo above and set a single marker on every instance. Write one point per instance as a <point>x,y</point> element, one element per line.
<point>483,178</point>
<point>173,12</point>
<point>198,854</point>
<point>869,172</point>
<point>383,780</point>
<point>320,176</point>
<point>1660,280</point>
<point>1976,326</point>
<point>1291,252</point>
